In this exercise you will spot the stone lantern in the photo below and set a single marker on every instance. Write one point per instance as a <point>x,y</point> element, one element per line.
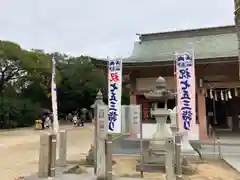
<point>90,158</point>
<point>163,130</point>
<point>173,117</point>
<point>98,101</point>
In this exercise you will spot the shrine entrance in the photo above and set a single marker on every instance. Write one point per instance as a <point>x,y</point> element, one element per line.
<point>217,113</point>
<point>222,111</point>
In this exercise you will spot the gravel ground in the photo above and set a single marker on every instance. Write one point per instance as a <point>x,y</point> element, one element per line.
<point>209,170</point>
<point>19,150</point>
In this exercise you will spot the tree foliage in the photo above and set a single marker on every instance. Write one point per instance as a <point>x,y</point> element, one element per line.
<point>237,9</point>
<point>25,83</point>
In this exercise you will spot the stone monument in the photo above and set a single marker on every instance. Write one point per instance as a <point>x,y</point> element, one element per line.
<point>91,157</point>
<point>156,151</point>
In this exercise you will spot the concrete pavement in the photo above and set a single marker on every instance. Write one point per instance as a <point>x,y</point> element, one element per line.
<point>231,155</point>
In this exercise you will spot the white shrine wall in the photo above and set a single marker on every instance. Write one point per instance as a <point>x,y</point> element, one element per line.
<point>148,130</point>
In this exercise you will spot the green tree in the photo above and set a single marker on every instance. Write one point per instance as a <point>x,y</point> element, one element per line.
<point>25,83</point>
<point>19,70</point>
<point>10,63</point>
<point>80,81</point>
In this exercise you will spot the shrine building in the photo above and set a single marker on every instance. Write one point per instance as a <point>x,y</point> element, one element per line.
<point>216,70</point>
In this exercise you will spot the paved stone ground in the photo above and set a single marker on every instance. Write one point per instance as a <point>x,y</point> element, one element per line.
<point>19,149</point>
<point>206,149</point>
<point>229,150</point>
<point>233,161</point>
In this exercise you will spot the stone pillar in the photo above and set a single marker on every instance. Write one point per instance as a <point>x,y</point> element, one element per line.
<point>47,156</point>
<point>44,160</point>
<point>63,148</point>
<point>108,155</point>
<point>169,162</point>
<point>201,104</point>
<point>53,155</point>
<point>102,127</point>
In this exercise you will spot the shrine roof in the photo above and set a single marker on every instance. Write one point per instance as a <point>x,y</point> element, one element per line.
<point>208,43</point>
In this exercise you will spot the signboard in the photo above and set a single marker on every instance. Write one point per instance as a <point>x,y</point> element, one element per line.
<point>186,93</point>
<point>102,121</point>
<point>135,118</point>
<point>114,95</point>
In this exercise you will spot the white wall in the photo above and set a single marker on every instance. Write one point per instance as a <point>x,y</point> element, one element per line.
<point>148,130</point>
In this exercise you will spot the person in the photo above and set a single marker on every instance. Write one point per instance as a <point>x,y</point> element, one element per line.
<point>83,116</point>
<point>43,121</point>
<point>81,122</point>
<point>51,119</point>
<point>70,117</point>
<point>47,122</point>
<point>75,120</point>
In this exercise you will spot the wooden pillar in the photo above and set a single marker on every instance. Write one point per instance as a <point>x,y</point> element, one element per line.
<point>133,98</point>
<point>133,89</point>
<point>234,111</point>
<point>201,103</point>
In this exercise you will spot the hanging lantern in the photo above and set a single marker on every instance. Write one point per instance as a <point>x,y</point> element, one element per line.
<point>215,96</point>
<point>226,96</point>
<point>222,97</point>
<point>201,83</point>
<point>229,94</point>
<point>211,94</point>
<point>236,92</point>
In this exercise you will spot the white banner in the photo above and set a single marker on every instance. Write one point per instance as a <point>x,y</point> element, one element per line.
<point>186,94</point>
<point>114,95</point>
<point>54,98</point>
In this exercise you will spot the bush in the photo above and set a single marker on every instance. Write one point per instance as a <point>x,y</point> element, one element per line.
<point>17,112</point>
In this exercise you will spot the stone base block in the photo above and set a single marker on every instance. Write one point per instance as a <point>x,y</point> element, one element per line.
<point>150,167</point>
<point>152,164</point>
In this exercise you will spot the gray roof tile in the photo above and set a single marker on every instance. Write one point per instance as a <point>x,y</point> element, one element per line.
<point>210,46</point>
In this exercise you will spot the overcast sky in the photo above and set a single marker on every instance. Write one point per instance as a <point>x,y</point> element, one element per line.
<point>103,27</point>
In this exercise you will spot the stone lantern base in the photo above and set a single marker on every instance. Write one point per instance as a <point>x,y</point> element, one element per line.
<point>154,156</point>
